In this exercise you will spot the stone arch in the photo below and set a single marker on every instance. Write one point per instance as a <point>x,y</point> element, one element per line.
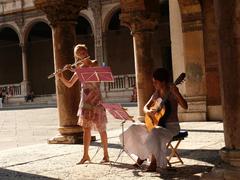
<point>108,17</point>
<point>118,44</point>
<point>39,49</point>
<point>10,53</point>
<point>191,10</point>
<point>161,48</point>
<point>28,26</point>
<point>13,27</point>
<point>89,21</point>
<point>85,33</point>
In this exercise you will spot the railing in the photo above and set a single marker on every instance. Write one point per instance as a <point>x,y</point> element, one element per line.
<point>11,89</point>
<point>121,82</point>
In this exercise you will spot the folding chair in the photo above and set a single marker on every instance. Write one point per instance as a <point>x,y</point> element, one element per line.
<point>174,148</point>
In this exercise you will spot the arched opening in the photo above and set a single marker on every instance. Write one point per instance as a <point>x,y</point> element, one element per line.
<point>161,42</point>
<point>40,59</point>
<point>85,35</point>
<point>119,47</point>
<point>11,57</point>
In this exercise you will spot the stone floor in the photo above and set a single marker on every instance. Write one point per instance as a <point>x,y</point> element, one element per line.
<point>25,154</point>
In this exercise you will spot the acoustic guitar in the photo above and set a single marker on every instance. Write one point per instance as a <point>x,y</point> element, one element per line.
<point>159,107</point>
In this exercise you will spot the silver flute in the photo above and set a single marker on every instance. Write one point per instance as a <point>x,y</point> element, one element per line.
<point>73,66</point>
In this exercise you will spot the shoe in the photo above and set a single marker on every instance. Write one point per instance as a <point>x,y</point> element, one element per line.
<point>104,160</point>
<point>151,169</point>
<point>138,163</point>
<point>83,160</point>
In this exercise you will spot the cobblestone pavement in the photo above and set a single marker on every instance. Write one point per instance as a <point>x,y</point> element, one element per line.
<point>25,154</point>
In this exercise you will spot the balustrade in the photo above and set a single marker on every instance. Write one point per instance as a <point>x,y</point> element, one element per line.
<point>121,82</point>
<point>11,89</point>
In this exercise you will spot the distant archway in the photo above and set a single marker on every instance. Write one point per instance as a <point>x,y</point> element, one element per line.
<point>161,40</point>
<point>85,34</point>
<point>118,46</point>
<point>40,58</point>
<point>11,57</point>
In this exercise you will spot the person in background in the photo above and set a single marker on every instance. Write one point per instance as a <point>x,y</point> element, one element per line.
<point>29,97</point>
<point>134,94</point>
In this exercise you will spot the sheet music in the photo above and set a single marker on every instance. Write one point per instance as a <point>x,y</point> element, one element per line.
<point>94,74</point>
<point>117,111</point>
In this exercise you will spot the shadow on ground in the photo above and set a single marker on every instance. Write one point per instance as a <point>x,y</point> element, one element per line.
<point>16,175</point>
<point>190,172</point>
<point>205,155</point>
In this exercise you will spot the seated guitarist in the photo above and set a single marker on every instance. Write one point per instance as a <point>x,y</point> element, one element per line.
<point>144,143</point>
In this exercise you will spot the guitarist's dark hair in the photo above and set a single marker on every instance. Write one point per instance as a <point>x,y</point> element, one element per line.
<point>162,75</point>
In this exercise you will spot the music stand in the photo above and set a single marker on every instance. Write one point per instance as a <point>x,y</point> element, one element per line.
<point>120,113</point>
<point>94,74</point>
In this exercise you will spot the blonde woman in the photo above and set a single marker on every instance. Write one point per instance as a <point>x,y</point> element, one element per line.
<point>92,115</point>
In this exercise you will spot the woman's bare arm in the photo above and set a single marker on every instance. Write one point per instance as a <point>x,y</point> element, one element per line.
<point>68,83</point>
<point>179,97</point>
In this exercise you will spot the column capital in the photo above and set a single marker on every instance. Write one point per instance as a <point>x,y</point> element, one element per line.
<point>61,11</point>
<point>140,21</point>
<point>23,46</point>
<point>191,13</point>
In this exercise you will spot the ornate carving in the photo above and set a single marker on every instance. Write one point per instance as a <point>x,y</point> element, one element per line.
<point>19,19</point>
<point>96,7</point>
<point>191,13</point>
<point>140,21</point>
<point>60,10</point>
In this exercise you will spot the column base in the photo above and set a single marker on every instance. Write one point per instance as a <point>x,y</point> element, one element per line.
<point>197,109</point>
<point>68,139</point>
<point>69,135</point>
<point>228,169</point>
<point>223,172</point>
<point>25,86</point>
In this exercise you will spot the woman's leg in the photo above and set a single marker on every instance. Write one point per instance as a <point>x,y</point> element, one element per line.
<point>86,144</point>
<point>153,165</point>
<point>103,135</point>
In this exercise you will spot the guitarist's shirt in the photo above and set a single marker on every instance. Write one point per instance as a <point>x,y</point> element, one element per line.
<point>171,106</point>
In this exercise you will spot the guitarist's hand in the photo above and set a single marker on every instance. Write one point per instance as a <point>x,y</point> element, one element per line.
<point>151,112</point>
<point>174,90</point>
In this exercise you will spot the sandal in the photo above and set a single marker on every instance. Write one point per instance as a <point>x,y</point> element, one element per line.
<point>151,168</point>
<point>104,160</point>
<point>83,160</point>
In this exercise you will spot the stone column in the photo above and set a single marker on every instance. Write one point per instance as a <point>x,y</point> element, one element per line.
<point>96,7</point>
<point>193,49</point>
<point>25,82</point>
<point>97,14</point>
<point>62,16</point>
<point>142,24</point>
<point>228,28</point>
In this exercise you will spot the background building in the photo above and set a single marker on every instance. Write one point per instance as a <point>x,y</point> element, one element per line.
<point>182,42</point>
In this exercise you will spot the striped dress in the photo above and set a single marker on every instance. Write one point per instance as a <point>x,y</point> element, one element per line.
<point>91,113</point>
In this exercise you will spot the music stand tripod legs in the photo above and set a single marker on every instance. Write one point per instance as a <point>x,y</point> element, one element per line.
<point>123,147</point>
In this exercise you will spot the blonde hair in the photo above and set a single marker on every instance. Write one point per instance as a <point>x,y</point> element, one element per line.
<point>77,47</point>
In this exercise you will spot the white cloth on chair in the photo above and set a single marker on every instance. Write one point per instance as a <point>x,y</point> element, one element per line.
<point>135,140</point>
<point>157,140</point>
<point>138,141</point>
